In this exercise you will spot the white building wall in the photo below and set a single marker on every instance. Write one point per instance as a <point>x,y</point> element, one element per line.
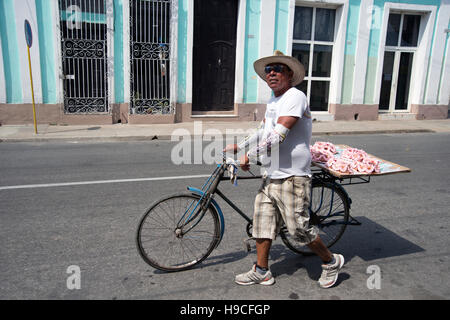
<point>437,56</point>
<point>26,9</point>
<point>266,43</point>
<point>362,51</point>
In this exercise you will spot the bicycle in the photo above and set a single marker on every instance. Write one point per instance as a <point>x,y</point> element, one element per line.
<point>186,227</point>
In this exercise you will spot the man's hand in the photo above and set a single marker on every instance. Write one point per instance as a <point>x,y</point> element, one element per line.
<point>231,148</point>
<point>244,163</point>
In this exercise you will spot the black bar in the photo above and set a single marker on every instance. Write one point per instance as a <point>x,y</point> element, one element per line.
<point>242,214</point>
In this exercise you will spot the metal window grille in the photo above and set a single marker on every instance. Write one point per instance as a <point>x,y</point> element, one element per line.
<point>84,58</point>
<point>150,56</point>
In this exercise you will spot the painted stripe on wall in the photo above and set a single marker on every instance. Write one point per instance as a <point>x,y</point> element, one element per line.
<point>47,38</point>
<point>126,50</point>
<point>118,52</point>
<point>182,49</point>
<point>251,50</point>
<point>281,26</point>
<point>444,87</point>
<point>240,45</point>
<point>11,64</point>
<point>2,77</point>
<point>350,50</point>
<point>266,43</point>
<point>361,55</point>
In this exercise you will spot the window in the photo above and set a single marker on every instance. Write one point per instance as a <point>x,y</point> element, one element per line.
<point>401,43</point>
<point>312,45</point>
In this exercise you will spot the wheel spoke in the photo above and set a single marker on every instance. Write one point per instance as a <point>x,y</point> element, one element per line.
<point>166,249</point>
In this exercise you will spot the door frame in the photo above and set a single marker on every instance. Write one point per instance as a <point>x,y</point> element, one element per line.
<point>395,70</point>
<point>239,60</point>
<point>421,56</point>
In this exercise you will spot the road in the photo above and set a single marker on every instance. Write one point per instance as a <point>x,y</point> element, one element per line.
<point>47,226</point>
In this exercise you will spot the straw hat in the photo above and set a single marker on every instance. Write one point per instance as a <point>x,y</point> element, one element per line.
<point>278,57</point>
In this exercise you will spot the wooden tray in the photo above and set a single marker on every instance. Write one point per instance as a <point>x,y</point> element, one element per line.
<point>386,167</point>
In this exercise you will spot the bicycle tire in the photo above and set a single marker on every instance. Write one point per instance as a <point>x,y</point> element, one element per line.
<point>331,218</point>
<point>162,244</point>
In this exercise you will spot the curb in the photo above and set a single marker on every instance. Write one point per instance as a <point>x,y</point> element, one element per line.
<point>169,137</point>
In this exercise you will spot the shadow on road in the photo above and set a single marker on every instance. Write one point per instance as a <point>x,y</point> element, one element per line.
<point>369,241</point>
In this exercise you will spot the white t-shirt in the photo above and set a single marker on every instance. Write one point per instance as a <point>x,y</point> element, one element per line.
<point>294,155</point>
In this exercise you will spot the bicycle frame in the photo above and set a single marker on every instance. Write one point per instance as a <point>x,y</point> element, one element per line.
<point>210,188</point>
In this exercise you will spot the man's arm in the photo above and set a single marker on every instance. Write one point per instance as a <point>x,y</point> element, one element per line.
<point>248,140</point>
<point>271,142</point>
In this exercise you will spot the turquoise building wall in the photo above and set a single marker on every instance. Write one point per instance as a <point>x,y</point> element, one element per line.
<point>47,42</point>
<point>252,25</point>
<point>10,49</point>
<point>182,49</point>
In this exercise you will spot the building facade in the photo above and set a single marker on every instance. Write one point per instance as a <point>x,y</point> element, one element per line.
<point>166,61</point>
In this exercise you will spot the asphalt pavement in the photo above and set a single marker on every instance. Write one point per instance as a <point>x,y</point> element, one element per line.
<point>76,204</point>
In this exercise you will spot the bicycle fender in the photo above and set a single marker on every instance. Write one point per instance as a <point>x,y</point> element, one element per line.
<point>217,207</point>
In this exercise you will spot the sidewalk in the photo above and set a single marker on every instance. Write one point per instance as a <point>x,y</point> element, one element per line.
<point>127,132</point>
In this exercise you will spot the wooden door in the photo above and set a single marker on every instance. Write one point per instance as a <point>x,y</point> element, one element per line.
<point>215,23</point>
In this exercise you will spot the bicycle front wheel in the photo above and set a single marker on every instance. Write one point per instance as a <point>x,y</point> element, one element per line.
<point>174,234</point>
<point>329,211</point>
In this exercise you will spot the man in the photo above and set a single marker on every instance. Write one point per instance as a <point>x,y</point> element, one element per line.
<point>283,139</point>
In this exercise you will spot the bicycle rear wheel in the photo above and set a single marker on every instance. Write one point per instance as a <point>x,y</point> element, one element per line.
<point>170,241</point>
<point>329,211</point>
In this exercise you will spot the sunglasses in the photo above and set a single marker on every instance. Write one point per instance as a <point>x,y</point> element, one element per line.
<point>277,68</point>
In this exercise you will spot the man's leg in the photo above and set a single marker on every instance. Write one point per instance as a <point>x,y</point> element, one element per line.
<point>264,227</point>
<point>262,252</point>
<point>261,275</point>
<point>319,248</point>
<point>332,263</point>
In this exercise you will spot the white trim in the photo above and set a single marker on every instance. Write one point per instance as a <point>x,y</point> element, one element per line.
<point>2,78</point>
<point>189,51</point>
<point>110,52</point>
<point>420,64</point>
<point>290,31</point>
<point>337,62</point>
<point>266,44</point>
<point>240,53</point>
<point>444,93</point>
<point>173,77</point>
<point>316,42</point>
<point>437,56</point>
<point>126,53</point>
<point>340,30</point>
<point>26,9</point>
<point>394,79</point>
<point>322,116</point>
<point>361,51</point>
<point>331,4</point>
<point>58,55</point>
<point>403,49</point>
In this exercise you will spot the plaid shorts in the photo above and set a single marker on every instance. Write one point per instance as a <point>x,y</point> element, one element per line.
<point>284,200</point>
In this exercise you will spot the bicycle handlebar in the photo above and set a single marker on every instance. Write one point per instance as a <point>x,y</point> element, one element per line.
<point>232,167</point>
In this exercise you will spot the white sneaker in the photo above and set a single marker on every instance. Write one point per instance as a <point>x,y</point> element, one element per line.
<point>330,272</point>
<point>254,277</point>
